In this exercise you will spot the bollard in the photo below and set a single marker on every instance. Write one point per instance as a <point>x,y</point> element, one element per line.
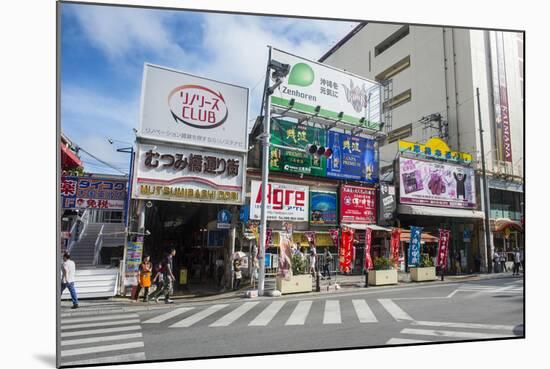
<point>318,284</point>
<point>366,278</point>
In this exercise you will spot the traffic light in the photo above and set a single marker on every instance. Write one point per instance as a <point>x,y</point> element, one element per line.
<point>313,149</point>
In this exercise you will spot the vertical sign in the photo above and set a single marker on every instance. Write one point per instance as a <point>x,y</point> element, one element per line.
<point>414,246</point>
<point>395,242</point>
<point>443,248</point>
<point>368,242</point>
<point>334,236</point>
<point>133,259</point>
<point>344,256</point>
<point>357,204</point>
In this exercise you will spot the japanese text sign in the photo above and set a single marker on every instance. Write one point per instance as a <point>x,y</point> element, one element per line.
<point>92,193</point>
<point>414,246</point>
<point>352,158</point>
<point>357,204</point>
<point>443,247</point>
<point>368,243</point>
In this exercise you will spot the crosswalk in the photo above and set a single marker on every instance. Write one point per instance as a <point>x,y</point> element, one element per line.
<point>100,339</point>
<point>513,288</point>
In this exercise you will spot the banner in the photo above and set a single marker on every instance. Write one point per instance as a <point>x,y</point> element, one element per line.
<point>436,184</point>
<point>341,95</point>
<point>387,204</point>
<point>92,193</point>
<point>352,158</point>
<point>268,233</point>
<point>310,236</point>
<point>368,242</point>
<point>357,204</point>
<point>323,208</point>
<point>414,246</point>
<point>334,236</point>
<point>285,244</point>
<point>285,202</point>
<point>289,134</point>
<point>345,254</point>
<point>395,243</point>
<point>133,259</point>
<point>443,248</point>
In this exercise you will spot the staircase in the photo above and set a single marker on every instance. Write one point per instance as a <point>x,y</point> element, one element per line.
<point>94,282</point>
<point>83,251</point>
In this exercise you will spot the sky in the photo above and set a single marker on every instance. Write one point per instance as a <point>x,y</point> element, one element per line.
<point>104,48</point>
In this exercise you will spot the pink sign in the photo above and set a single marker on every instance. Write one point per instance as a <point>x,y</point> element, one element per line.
<point>443,249</point>
<point>368,242</point>
<point>357,205</point>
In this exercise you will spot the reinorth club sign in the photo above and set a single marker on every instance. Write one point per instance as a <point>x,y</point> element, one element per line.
<point>190,110</point>
<point>166,172</point>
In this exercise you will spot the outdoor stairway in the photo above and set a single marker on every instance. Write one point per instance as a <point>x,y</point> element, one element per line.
<point>82,252</point>
<point>94,282</point>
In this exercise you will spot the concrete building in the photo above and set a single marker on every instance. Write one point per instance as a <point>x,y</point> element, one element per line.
<point>430,76</point>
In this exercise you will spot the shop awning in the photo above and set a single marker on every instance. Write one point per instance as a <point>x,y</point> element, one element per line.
<point>69,159</point>
<point>363,227</point>
<point>440,212</point>
<point>503,223</point>
<point>426,237</point>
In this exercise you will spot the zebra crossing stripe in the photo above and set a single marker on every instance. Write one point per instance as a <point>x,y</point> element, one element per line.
<point>363,311</point>
<point>234,315</point>
<point>169,315</point>
<point>465,325</point>
<point>99,324</point>
<point>268,314</point>
<point>187,322</point>
<point>82,341</point>
<point>395,311</point>
<point>98,318</point>
<point>97,349</point>
<point>332,312</point>
<point>451,334</point>
<point>400,341</point>
<point>100,331</point>
<point>140,356</point>
<point>300,313</point>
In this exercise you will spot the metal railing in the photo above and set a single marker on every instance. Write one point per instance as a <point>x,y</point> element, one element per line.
<point>77,235</point>
<point>98,245</point>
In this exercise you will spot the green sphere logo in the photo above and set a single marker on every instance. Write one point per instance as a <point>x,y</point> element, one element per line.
<point>301,75</point>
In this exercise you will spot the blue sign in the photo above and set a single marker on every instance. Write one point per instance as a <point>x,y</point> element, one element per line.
<point>244,213</point>
<point>323,208</point>
<point>352,158</point>
<point>224,218</point>
<point>414,246</point>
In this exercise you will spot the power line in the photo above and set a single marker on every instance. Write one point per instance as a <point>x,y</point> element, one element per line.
<point>80,148</point>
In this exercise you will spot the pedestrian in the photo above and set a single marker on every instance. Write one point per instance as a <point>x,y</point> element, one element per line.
<point>458,263</point>
<point>522,258</point>
<point>477,261</point>
<point>517,262</point>
<point>503,261</point>
<point>237,273</point>
<point>312,258</point>
<point>220,270</point>
<point>68,274</point>
<point>297,249</point>
<point>168,278</point>
<point>144,278</point>
<point>496,259</point>
<point>328,261</point>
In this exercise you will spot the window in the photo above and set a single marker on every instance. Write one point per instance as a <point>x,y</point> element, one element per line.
<point>392,40</point>
<point>397,100</point>
<point>394,69</point>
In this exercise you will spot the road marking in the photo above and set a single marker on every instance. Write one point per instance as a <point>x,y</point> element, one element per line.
<point>100,331</point>
<point>168,315</point>
<point>452,294</point>
<point>187,322</point>
<point>99,324</point>
<point>398,341</point>
<point>268,314</point>
<point>99,318</point>
<point>465,325</point>
<point>140,356</point>
<point>96,349</point>
<point>332,312</point>
<point>364,312</point>
<point>395,311</point>
<point>300,313</point>
<point>82,341</point>
<point>234,315</point>
<point>450,334</point>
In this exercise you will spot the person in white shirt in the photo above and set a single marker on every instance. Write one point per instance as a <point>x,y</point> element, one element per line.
<point>68,273</point>
<point>312,258</point>
<point>517,262</point>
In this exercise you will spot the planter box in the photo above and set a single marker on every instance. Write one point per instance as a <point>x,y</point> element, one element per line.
<point>423,274</point>
<point>297,283</point>
<point>381,277</point>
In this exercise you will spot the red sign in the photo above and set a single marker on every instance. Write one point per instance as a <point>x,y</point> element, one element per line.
<point>368,242</point>
<point>357,205</point>
<point>506,137</point>
<point>443,249</point>
<point>395,242</point>
<point>344,256</point>
<point>197,106</point>
<point>310,237</point>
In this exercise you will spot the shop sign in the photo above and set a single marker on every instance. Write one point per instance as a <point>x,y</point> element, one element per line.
<point>323,208</point>
<point>133,259</point>
<point>436,184</point>
<point>395,243</point>
<point>346,250</point>
<point>435,148</point>
<point>340,95</point>
<point>224,219</point>
<point>171,173</point>
<point>368,242</point>
<point>191,110</point>
<point>289,134</point>
<point>244,213</point>
<point>387,203</point>
<point>443,247</point>
<point>285,202</point>
<point>92,193</point>
<point>357,204</point>
<point>414,246</point>
<point>353,157</point>
<point>467,237</point>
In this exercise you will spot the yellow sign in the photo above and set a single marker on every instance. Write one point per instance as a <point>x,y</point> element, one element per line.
<point>434,148</point>
<point>183,276</point>
<point>189,193</point>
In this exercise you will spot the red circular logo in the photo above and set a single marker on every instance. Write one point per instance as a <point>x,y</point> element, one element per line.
<point>197,106</point>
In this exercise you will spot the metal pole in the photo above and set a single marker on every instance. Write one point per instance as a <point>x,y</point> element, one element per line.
<point>264,188</point>
<point>126,220</point>
<point>485,188</point>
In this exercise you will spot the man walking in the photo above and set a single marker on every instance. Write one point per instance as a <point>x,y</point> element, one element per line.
<point>168,278</point>
<point>68,270</point>
<point>326,264</point>
<point>517,262</point>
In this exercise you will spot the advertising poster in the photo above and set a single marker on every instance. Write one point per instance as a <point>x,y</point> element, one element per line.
<point>414,246</point>
<point>285,202</point>
<point>345,252</point>
<point>357,205</point>
<point>313,84</point>
<point>92,193</point>
<point>436,184</point>
<point>395,243</point>
<point>286,133</point>
<point>387,203</point>
<point>368,241</point>
<point>323,208</point>
<point>334,236</point>
<point>133,259</point>
<point>443,248</point>
<point>352,158</point>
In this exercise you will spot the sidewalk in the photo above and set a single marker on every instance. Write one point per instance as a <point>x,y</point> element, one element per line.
<point>346,283</point>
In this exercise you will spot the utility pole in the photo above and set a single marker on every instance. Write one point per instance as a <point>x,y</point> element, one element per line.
<point>485,189</point>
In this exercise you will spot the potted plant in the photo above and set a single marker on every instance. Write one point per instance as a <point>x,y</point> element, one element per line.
<point>425,270</point>
<point>299,281</point>
<point>383,272</point>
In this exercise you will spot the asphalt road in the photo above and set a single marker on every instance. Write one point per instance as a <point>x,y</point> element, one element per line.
<point>420,313</point>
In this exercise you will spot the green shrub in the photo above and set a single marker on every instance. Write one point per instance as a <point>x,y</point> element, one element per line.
<point>426,261</point>
<point>381,263</point>
<point>298,264</point>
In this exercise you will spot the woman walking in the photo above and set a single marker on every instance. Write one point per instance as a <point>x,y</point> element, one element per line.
<point>238,273</point>
<point>145,270</point>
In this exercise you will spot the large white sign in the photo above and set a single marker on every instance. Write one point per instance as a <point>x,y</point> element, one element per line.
<point>284,202</point>
<point>436,183</point>
<point>164,172</point>
<point>312,84</point>
<point>186,109</point>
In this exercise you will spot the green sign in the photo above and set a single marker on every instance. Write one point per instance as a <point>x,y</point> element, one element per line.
<point>287,134</point>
